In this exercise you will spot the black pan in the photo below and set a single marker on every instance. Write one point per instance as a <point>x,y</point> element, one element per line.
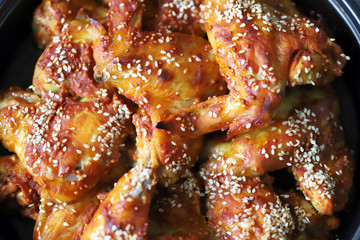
<point>18,55</point>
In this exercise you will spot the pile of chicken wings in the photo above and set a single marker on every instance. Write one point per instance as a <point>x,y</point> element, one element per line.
<point>177,119</point>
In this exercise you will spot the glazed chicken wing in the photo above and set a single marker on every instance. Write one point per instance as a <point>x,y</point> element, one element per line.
<point>161,72</point>
<point>123,214</point>
<point>242,207</point>
<point>261,49</point>
<point>307,137</point>
<point>67,145</point>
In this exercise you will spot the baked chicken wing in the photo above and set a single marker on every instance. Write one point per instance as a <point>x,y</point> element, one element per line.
<point>161,72</point>
<point>261,48</point>
<point>242,207</point>
<point>109,139</point>
<point>67,145</point>
<point>123,214</point>
<point>309,141</point>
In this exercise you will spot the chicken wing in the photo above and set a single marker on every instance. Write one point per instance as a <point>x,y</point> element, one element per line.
<point>67,145</point>
<point>260,50</point>
<point>242,207</point>
<point>123,214</point>
<point>161,72</point>
<point>309,141</point>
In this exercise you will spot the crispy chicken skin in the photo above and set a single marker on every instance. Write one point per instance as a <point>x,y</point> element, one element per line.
<point>161,72</point>
<point>67,145</point>
<point>260,50</point>
<point>173,15</point>
<point>309,141</point>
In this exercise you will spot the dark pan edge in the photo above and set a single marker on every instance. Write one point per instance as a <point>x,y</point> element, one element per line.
<point>6,9</point>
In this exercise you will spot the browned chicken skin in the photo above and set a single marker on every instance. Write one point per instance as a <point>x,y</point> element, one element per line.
<point>123,214</point>
<point>52,16</point>
<point>174,15</point>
